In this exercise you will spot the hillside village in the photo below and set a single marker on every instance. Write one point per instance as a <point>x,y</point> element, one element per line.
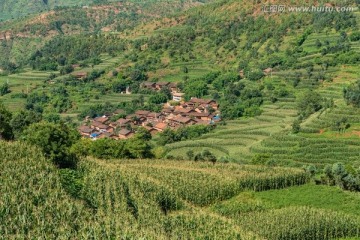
<point>174,114</point>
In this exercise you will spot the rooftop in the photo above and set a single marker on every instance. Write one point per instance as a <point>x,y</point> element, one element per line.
<point>161,125</point>
<point>124,132</point>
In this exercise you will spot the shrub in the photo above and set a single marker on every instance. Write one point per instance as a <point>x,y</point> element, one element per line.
<point>352,94</point>
<point>308,103</point>
<point>4,89</point>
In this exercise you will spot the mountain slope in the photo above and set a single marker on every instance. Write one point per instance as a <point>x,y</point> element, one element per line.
<point>18,8</point>
<point>13,9</point>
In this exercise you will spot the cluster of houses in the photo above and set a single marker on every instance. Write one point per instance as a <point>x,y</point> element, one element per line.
<point>194,112</point>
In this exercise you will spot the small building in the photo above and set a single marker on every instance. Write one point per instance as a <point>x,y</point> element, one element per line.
<point>205,103</point>
<point>102,119</point>
<point>151,130</point>
<point>105,135</point>
<point>149,85</point>
<point>184,112</point>
<point>85,131</point>
<point>142,113</point>
<point>123,122</point>
<point>201,122</point>
<point>167,111</point>
<point>267,71</point>
<point>205,116</point>
<point>160,126</point>
<point>99,126</point>
<point>125,133</point>
<point>155,117</point>
<point>160,85</point>
<point>178,97</point>
<point>173,87</point>
<point>181,121</point>
<point>80,75</point>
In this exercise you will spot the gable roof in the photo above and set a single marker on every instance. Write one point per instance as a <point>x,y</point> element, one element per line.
<point>102,119</point>
<point>99,125</point>
<point>183,120</point>
<point>202,114</point>
<point>178,94</point>
<point>85,129</point>
<point>122,121</point>
<point>162,83</point>
<point>124,132</point>
<point>148,84</point>
<point>142,112</point>
<point>154,114</point>
<point>161,126</point>
<point>105,135</point>
<point>184,110</point>
<point>201,101</point>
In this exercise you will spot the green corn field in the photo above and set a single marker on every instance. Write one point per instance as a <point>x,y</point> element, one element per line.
<point>154,199</point>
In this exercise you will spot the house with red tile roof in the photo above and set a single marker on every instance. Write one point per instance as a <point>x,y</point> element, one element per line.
<point>160,126</point>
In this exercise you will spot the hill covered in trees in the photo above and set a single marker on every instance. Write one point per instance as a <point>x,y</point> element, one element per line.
<point>13,9</point>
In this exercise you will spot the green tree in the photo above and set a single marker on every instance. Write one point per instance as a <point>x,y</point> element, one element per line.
<point>341,124</point>
<point>190,154</point>
<point>167,136</point>
<point>352,94</point>
<point>6,131</point>
<point>196,88</point>
<point>208,156</point>
<point>318,43</point>
<point>4,89</point>
<point>21,120</point>
<point>138,148</point>
<point>296,126</point>
<point>104,148</point>
<point>255,74</point>
<point>137,75</point>
<point>158,98</point>
<point>54,140</point>
<point>308,103</point>
<point>52,117</point>
<point>67,69</point>
<point>143,134</point>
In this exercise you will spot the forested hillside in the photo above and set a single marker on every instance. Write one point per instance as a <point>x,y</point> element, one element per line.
<point>12,9</point>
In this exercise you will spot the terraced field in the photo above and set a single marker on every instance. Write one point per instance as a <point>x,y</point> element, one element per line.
<point>30,80</point>
<point>235,139</point>
<point>175,73</point>
<point>269,134</point>
<point>23,82</point>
